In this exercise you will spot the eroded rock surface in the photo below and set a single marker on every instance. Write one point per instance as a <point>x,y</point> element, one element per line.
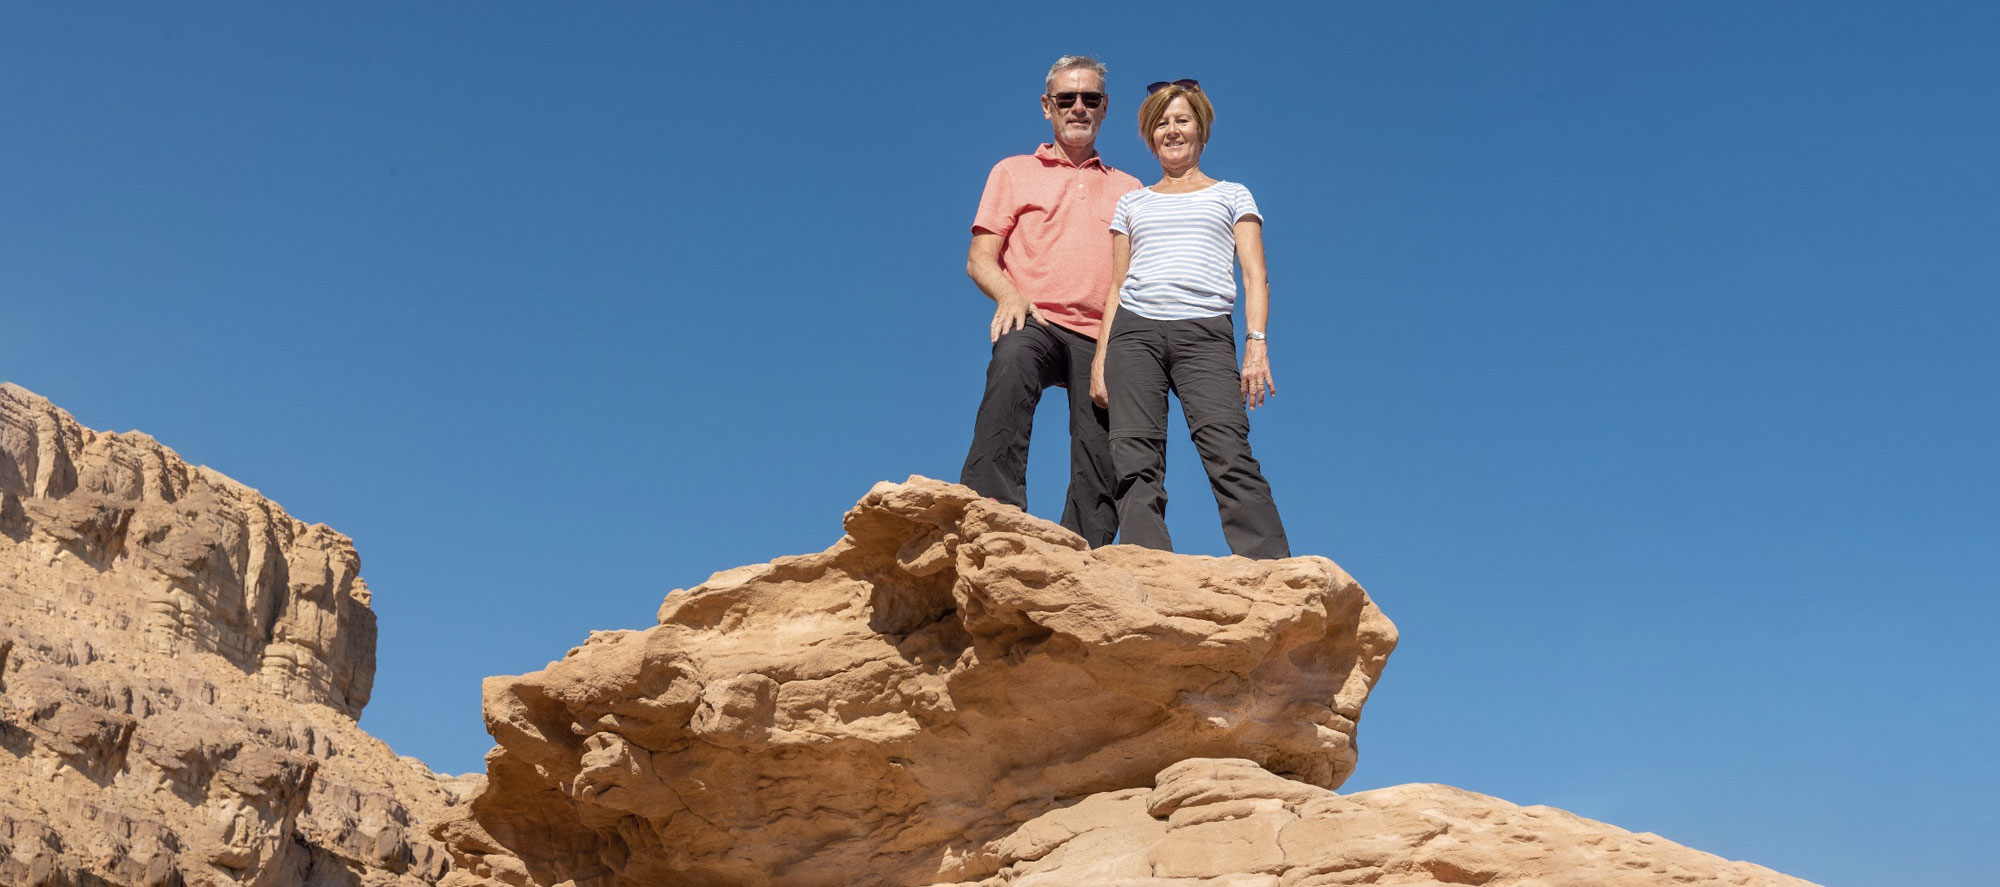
<point>955,694</point>
<point>208,564</point>
<point>883,712</point>
<point>181,663</point>
<point>1231,823</point>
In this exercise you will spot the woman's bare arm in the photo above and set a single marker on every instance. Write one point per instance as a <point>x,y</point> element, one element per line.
<point>1257,381</point>
<point>1121,262</point>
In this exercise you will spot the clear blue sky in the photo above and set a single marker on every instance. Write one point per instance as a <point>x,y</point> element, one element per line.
<point>1639,358</point>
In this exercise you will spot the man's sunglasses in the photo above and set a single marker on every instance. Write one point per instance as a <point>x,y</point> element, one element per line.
<point>1091,100</point>
<point>1184,83</point>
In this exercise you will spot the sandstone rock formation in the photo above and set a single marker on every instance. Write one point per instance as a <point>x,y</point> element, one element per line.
<point>181,663</point>
<point>882,712</point>
<point>955,694</point>
<point>959,694</point>
<point>1230,823</point>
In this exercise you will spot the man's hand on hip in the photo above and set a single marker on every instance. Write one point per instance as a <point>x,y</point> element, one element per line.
<point>1012,314</point>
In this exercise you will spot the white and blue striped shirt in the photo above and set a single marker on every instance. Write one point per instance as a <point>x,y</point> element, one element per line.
<point>1183,250</point>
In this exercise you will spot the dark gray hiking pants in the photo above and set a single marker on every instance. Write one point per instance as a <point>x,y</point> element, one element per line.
<point>1196,360</point>
<point>1024,362</point>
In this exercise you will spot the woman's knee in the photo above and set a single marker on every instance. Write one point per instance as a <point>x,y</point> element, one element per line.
<point>1138,458</point>
<point>1225,447</point>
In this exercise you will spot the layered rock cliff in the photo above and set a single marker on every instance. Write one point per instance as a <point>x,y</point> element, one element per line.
<point>181,664</point>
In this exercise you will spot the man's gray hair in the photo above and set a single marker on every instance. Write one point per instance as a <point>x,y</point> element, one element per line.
<point>1070,62</point>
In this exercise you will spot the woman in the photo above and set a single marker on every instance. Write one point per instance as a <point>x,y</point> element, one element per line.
<point>1167,327</point>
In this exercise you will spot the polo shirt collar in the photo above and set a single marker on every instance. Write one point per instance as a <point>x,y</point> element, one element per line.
<point>1048,151</point>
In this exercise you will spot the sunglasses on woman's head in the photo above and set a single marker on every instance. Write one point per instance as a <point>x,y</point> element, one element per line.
<point>1184,83</point>
<point>1090,99</point>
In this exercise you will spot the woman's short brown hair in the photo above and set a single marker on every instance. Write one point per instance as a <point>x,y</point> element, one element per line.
<point>1155,107</point>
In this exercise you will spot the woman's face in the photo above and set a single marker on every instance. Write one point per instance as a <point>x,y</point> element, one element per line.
<point>1175,138</point>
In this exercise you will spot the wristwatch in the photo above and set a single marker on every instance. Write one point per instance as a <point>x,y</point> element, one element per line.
<point>1254,335</point>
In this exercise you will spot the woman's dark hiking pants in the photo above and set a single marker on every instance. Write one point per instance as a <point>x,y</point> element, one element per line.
<point>1196,360</point>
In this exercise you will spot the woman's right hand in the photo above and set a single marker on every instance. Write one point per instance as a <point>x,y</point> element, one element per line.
<point>1257,381</point>
<point>1100,394</point>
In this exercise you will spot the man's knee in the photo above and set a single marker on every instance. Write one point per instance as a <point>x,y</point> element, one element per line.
<point>1020,359</point>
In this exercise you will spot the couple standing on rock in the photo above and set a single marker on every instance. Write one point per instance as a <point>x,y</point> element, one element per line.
<point>1078,255</point>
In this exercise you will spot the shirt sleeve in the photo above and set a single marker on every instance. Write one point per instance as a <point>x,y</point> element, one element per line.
<point>1242,205</point>
<point>996,205</point>
<point>1121,216</point>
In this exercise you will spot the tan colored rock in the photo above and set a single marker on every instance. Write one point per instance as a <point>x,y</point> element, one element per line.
<point>883,711</point>
<point>1231,823</point>
<point>181,663</point>
<point>213,566</point>
<point>955,694</point>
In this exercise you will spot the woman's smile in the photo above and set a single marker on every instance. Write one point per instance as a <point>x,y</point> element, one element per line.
<point>1175,137</point>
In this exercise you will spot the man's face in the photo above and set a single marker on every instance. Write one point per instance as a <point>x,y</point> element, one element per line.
<point>1075,123</point>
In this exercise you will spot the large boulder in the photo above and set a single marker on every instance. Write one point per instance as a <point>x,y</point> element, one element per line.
<point>885,711</point>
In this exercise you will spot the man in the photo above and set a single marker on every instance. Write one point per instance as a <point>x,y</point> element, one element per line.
<point>1041,250</point>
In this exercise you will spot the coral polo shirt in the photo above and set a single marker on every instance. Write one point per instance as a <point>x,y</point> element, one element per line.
<point>1054,220</point>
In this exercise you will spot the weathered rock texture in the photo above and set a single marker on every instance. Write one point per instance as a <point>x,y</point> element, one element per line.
<point>181,663</point>
<point>885,710</point>
<point>955,694</point>
<point>1230,823</point>
<point>959,694</point>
